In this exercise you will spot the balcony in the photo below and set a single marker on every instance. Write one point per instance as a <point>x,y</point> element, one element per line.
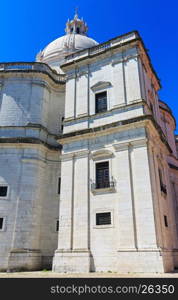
<point>105,187</point>
<point>33,67</point>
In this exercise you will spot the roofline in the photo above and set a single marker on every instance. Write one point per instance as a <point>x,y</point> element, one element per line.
<point>139,38</point>
<point>167,110</point>
<point>32,67</point>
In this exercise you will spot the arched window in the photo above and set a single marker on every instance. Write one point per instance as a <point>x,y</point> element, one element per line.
<point>71,30</point>
<point>78,30</point>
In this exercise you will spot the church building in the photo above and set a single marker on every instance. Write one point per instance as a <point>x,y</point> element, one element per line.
<point>88,159</point>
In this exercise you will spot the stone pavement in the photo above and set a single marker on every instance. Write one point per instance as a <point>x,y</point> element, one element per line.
<point>50,274</point>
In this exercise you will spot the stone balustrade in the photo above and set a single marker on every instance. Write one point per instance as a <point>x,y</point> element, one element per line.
<point>33,66</point>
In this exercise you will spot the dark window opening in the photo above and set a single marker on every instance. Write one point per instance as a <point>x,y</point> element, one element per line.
<point>102,175</point>
<point>3,191</point>
<point>57,225</point>
<point>59,185</point>
<point>1,223</point>
<point>78,30</point>
<point>160,177</point>
<point>62,125</point>
<point>101,102</point>
<point>71,30</point>
<point>103,218</point>
<point>162,185</point>
<point>165,221</point>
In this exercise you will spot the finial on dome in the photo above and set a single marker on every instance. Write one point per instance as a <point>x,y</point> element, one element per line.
<point>76,13</point>
<point>76,26</point>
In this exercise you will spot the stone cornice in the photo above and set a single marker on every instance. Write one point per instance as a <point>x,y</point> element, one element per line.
<point>121,146</point>
<point>32,67</point>
<point>28,140</point>
<point>32,73</point>
<point>134,143</point>
<point>135,103</point>
<point>113,127</point>
<point>123,41</point>
<point>33,161</point>
<point>86,57</point>
<point>34,126</point>
<point>69,156</point>
<point>124,59</point>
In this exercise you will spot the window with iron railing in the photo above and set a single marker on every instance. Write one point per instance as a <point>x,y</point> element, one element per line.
<point>102,175</point>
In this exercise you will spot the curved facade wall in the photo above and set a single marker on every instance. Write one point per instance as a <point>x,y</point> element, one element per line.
<point>168,127</point>
<point>31,110</point>
<point>31,174</point>
<point>26,101</point>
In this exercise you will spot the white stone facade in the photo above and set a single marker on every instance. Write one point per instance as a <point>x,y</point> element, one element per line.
<point>49,129</point>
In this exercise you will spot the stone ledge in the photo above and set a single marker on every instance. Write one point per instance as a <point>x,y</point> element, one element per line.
<point>28,140</point>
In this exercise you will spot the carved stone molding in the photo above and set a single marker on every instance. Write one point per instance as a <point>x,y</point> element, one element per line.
<point>101,85</point>
<point>139,143</point>
<point>121,146</point>
<point>100,154</point>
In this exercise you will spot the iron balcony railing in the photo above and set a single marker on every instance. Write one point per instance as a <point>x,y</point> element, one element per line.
<point>103,185</point>
<point>33,66</point>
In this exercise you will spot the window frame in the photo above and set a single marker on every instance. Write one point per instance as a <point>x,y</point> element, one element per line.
<point>57,225</point>
<point>163,188</point>
<point>99,215</point>
<point>108,177</point>
<point>3,224</point>
<point>96,94</point>
<point>104,226</point>
<point>7,194</point>
<point>59,185</point>
<point>97,157</point>
<point>166,221</point>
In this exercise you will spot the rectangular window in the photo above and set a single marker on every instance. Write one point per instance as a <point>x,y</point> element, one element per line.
<point>160,177</point>
<point>162,185</point>
<point>57,225</point>
<point>103,218</point>
<point>3,191</point>
<point>100,102</point>
<point>165,221</point>
<point>62,123</point>
<point>102,175</point>
<point>1,223</point>
<point>59,185</point>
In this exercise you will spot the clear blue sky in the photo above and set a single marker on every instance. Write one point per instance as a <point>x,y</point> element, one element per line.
<point>26,26</point>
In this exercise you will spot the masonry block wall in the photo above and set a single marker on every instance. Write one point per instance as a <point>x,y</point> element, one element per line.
<point>31,113</point>
<point>137,237</point>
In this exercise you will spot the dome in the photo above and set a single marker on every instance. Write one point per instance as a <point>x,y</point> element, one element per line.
<point>67,44</point>
<point>74,40</point>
